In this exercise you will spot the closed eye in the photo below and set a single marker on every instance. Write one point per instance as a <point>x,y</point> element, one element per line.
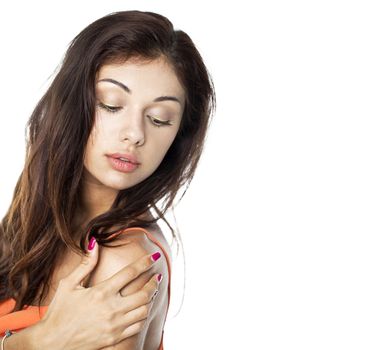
<point>110,109</point>
<point>158,122</point>
<point>155,121</point>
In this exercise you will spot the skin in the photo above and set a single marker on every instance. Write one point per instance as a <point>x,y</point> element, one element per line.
<point>129,130</point>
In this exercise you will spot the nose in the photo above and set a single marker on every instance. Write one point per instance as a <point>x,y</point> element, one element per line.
<point>133,130</point>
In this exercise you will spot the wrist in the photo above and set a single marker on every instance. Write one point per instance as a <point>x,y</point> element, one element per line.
<point>28,339</point>
<point>35,338</point>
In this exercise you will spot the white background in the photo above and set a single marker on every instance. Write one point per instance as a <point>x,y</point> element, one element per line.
<point>285,225</point>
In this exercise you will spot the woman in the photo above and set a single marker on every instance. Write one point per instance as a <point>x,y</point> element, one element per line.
<point>120,130</point>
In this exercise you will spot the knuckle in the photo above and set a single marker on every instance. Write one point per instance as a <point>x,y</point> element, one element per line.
<point>110,318</point>
<point>132,272</point>
<point>110,339</point>
<point>112,328</point>
<point>99,294</point>
<point>145,263</point>
<point>155,281</point>
<point>109,329</point>
<point>144,295</point>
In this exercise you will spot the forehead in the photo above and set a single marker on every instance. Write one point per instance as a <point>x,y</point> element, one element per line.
<point>156,76</point>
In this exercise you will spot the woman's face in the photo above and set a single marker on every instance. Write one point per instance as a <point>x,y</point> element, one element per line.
<point>134,117</point>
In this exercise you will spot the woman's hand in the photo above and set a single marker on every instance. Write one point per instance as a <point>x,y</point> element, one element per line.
<point>99,316</point>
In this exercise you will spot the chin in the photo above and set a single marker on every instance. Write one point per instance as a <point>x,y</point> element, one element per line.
<point>121,184</point>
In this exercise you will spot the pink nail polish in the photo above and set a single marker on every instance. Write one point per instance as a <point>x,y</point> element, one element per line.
<point>92,243</point>
<point>159,278</point>
<point>156,256</point>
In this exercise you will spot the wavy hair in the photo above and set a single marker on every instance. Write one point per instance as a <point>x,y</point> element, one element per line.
<point>39,222</point>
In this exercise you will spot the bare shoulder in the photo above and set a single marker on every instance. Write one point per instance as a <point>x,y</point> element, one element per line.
<point>157,233</point>
<point>129,246</point>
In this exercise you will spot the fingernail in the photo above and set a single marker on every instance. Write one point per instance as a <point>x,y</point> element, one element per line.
<point>92,243</point>
<point>156,256</point>
<point>155,294</point>
<point>159,278</point>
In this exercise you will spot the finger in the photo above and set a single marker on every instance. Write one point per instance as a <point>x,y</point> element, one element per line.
<point>138,283</point>
<point>86,266</point>
<point>127,274</point>
<point>133,329</point>
<point>136,319</point>
<point>142,297</point>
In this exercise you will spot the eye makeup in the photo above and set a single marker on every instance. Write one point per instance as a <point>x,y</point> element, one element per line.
<point>158,122</point>
<point>114,109</point>
<point>111,109</point>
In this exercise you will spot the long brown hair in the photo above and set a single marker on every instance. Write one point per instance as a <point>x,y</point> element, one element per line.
<point>39,222</point>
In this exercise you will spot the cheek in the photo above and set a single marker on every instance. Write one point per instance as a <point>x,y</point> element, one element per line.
<point>95,140</point>
<point>103,126</point>
<point>163,143</point>
<point>102,129</point>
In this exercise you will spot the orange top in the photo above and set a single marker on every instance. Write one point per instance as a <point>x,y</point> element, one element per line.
<point>31,314</point>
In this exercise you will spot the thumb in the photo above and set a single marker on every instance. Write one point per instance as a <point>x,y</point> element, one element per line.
<point>87,264</point>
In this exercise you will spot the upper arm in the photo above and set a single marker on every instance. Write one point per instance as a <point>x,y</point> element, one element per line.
<point>112,259</point>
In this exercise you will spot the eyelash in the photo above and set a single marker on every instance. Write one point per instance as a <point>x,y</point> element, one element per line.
<point>111,109</point>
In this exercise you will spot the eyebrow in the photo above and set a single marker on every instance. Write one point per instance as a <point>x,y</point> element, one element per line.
<point>126,89</point>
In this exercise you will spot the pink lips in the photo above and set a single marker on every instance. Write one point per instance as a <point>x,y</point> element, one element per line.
<point>126,165</point>
<point>127,156</point>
